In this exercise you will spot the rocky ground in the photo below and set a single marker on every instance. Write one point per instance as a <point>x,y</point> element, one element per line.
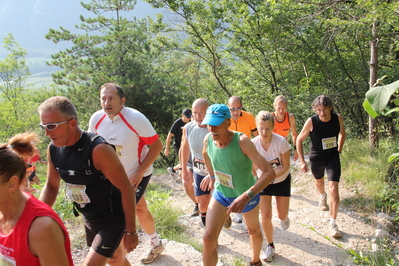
<point>299,245</point>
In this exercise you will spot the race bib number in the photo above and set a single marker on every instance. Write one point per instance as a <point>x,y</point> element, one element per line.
<point>77,193</point>
<point>329,143</point>
<point>224,179</point>
<point>199,165</point>
<point>120,151</point>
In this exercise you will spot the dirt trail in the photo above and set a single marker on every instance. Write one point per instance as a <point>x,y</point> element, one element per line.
<point>298,245</point>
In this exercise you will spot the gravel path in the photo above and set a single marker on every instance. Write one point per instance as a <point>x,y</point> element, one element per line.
<point>299,245</point>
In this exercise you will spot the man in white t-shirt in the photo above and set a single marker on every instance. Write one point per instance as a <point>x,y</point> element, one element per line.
<point>137,145</point>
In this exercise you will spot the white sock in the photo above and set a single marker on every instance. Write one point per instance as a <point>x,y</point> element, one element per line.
<point>332,221</point>
<point>154,238</point>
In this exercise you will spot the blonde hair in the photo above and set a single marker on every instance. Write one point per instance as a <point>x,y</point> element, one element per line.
<point>265,116</point>
<point>280,98</point>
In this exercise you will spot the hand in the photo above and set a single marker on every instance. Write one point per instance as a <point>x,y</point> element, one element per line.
<point>166,152</point>
<point>238,204</point>
<point>131,242</point>
<point>135,179</point>
<point>207,183</point>
<point>304,167</point>
<point>184,174</point>
<point>295,157</point>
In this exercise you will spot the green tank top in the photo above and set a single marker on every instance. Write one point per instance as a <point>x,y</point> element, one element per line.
<point>233,169</point>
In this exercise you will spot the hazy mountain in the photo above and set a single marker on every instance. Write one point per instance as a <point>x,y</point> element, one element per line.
<point>30,20</point>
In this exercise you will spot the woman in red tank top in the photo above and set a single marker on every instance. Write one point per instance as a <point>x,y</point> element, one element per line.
<point>31,233</point>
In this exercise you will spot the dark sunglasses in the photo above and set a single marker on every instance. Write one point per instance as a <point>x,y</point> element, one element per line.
<point>52,126</point>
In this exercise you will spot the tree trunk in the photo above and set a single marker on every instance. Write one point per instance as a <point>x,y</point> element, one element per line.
<point>373,133</point>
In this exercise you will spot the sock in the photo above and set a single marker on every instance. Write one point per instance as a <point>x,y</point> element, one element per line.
<point>332,221</point>
<point>203,217</point>
<point>154,238</point>
<point>271,244</point>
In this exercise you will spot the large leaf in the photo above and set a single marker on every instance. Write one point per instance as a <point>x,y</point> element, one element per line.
<point>377,98</point>
<point>369,109</point>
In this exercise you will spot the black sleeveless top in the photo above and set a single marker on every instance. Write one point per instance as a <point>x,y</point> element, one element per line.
<point>74,163</point>
<point>324,138</point>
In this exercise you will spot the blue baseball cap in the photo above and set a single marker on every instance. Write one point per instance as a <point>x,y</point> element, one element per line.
<point>216,114</point>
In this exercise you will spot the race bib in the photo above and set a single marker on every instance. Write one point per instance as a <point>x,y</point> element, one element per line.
<point>4,261</point>
<point>77,193</point>
<point>199,165</point>
<point>329,143</point>
<point>6,258</point>
<point>120,151</point>
<point>224,179</point>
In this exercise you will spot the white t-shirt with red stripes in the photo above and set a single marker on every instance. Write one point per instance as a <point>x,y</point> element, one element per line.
<point>130,132</point>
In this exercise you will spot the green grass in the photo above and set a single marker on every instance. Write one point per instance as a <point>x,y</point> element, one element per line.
<point>166,217</point>
<point>368,173</point>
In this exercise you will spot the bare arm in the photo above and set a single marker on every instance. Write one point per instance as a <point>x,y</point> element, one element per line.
<point>46,241</point>
<point>153,152</point>
<point>307,128</point>
<point>285,164</point>
<point>185,154</point>
<point>167,144</point>
<point>207,183</point>
<point>50,189</point>
<point>294,134</point>
<point>341,135</point>
<point>106,160</point>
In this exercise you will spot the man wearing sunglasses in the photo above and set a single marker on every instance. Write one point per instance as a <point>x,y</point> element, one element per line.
<point>94,180</point>
<point>137,145</point>
<point>244,122</point>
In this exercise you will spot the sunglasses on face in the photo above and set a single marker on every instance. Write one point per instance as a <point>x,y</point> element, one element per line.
<point>235,109</point>
<point>52,126</point>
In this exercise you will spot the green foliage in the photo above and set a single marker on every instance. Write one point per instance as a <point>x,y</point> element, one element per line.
<point>115,48</point>
<point>378,181</point>
<point>165,216</point>
<point>377,98</point>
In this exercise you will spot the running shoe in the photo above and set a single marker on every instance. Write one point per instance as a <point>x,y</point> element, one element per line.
<point>285,224</point>
<point>196,211</point>
<point>269,253</point>
<point>251,263</point>
<point>171,171</point>
<point>152,253</point>
<point>323,202</point>
<point>238,218</point>
<point>227,223</point>
<point>335,232</point>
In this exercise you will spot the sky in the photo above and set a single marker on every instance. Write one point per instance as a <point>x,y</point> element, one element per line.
<point>30,20</point>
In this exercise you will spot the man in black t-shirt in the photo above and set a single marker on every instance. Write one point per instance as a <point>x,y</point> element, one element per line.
<point>327,137</point>
<point>176,132</point>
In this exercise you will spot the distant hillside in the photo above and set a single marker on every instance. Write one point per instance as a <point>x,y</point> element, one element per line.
<point>30,20</point>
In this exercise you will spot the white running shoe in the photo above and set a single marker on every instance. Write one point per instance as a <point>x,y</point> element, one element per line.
<point>238,218</point>
<point>269,253</point>
<point>152,253</point>
<point>285,224</point>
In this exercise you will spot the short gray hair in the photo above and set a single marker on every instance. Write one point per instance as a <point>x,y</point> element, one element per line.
<point>61,104</point>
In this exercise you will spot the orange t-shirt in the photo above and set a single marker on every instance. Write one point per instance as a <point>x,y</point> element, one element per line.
<point>282,128</point>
